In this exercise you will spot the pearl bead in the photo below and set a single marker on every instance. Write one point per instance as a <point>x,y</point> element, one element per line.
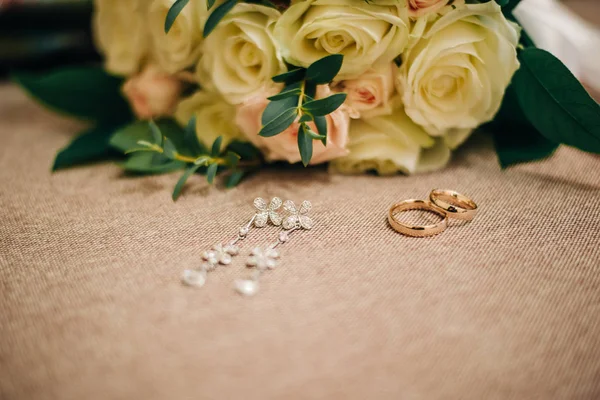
<point>243,231</point>
<point>194,278</point>
<point>246,287</point>
<point>283,237</point>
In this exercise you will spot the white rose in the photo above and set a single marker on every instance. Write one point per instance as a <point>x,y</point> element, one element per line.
<point>214,117</point>
<point>366,34</point>
<point>152,93</point>
<point>456,75</point>
<point>240,55</point>
<point>181,47</point>
<point>370,94</point>
<point>120,33</point>
<point>390,144</point>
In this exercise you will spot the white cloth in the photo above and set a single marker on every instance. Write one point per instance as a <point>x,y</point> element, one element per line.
<point>557,29</point>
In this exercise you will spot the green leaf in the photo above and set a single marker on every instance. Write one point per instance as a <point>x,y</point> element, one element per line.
<point>275,108</point>
<point>292,90</point>
<point>217,15</point>
<point>210,4</point>
<point>305,144</point>
<point>91,145</point>
<point>325,106</point>
<point>305,118</point>
<point>157,135</point>
<point>211,172</point>
<point>182,180</point>
<point>324,70</point>
<point>555,102</point>
<point>232,159</point>
<point>191,138</point>
<point>150,163</point>
<point>170,151</point>
<point>502,3</point>
<point>515,138</point>
<point>313,134</point>
<point>128,137</point>
<point>216,147</point>
<point>321,124</point>
<point>234,179</point>
<point>293,76</point>
<point>174,11</point>
<point>279,124</point>
<point>88,93</point>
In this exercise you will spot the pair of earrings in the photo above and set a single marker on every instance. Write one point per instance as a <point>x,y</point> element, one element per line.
<point>260,258</point>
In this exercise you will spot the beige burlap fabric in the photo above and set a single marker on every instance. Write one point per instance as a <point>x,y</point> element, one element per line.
<point>91,306</point>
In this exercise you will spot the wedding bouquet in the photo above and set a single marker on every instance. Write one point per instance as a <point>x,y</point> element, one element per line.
<point>223,87</point>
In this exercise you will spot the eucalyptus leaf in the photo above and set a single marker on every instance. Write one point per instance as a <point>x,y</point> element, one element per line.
<point>217,15</point>
<point>321,124</point>
<point>295,75</point>
<point>129,136</point>
<point>234,179</point>
<point>324,106</point>
<point>306,118</point>
<point>324,70</point>
<point>232,159</point>
<point>216,147</point>
<point>292,90</point>
<point>275,108</point>
<point>305,144</point>
<point>182,180</point>
<point>88,93</point>
<point>173,12</point>
<point>90,146</point>
<point>555,102</point>
<point>279,124</point>
<point>210,4</point>
<point>211,172</point>
<point>191,138</point>
<point>157,135</point>
<point>169,149</point>
<point>148,163</point>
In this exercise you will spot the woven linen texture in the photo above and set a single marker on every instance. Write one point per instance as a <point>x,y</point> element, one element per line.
<point>91,306</point>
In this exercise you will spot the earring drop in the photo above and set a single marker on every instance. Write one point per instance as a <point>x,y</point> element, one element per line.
<point>222,254</point>
<point>266,258</point>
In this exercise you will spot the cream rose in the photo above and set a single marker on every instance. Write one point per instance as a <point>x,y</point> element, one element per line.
<point>419,8</point>
<point>366,34</point>
<point>152,93</point>
<point>181,47</point>
<point>120,33</point>
<point>284,146</point>
<point>240,55</point>
<point>214,117</point>
<point>456,75</point>
<point>370,94</point>
<point>390,144</point>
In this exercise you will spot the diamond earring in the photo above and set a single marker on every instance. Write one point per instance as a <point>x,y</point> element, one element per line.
<point>222,254</point>
<point>266,258</point>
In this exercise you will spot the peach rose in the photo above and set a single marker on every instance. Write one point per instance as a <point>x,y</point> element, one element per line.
<point>152,93</point>
<point>369,95</point>
<point>418,8</point>
<point>285,145</point>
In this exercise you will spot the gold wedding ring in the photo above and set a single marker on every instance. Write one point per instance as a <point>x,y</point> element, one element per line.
<point>417,231</point>
<point>453,204</point>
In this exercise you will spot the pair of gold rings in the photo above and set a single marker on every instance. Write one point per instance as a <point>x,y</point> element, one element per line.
<point>445,203</point>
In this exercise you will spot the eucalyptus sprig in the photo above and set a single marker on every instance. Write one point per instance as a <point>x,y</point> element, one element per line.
<point>213,161</point>
<point>296,101</point>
